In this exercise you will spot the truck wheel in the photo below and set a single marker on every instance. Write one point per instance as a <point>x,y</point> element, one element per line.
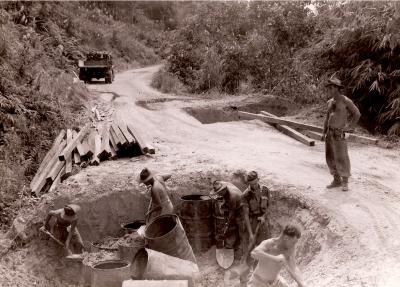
<point>108,80</point>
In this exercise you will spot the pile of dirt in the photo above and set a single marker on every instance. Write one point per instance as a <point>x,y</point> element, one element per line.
<point>91,259</point>
<point>132,239</point>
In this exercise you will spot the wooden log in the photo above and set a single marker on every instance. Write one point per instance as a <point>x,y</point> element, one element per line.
<point>105,151</point>
<point>57,180</point>
<point>50,154</point>
<point>72,145</point>
<point>41,181</point>
<point>131,140</point>
<point>113,140</point>
<point>91,145</point>
<point>68,157</point>
<point>291,132</point>
<point>145,147</point>
<point>275,120</point>
<point>120,139</point>
<point>113,153</point>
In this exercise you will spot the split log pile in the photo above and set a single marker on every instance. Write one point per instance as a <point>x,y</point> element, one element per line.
<point>89,146</point>
<point>304,133</point>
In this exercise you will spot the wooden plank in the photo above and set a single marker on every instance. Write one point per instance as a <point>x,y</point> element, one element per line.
<point>362,139</point>
<point>57,180</point>
<point>80,147</point>
<point>275,120</point>
<point>139,139</point>
<point>291,132</point>
<point>97,145</point>
<point>311,134</point>
<point>55,170</point>
<point>40,183</point>
<point>105,151</point>
<point>85,144</point>
<point>68,158</point>
<point>131,139</point>
<point>77,158</point>
<point>72,145</point>
<point>120,139</point>
<point>113,140</point>
<point>91,145</point>
<point>50,154</point>
<point>113,153</point>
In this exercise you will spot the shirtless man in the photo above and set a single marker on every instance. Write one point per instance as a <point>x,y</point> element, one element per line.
<point>335,126</point>
<point>64,226</point>
<point>160,203</point>
<point>272,254</point>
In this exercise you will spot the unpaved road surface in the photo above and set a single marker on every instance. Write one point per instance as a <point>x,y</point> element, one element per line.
<point>368,215</point>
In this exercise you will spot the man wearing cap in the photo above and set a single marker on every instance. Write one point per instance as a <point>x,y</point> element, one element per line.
<point>160,203</point>
<point>64,226</point>
<point>340,109</point>
<point>232,198</point>
<point>256,200</point>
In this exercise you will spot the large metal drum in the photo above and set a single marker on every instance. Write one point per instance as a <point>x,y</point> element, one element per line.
<point>195,212</point>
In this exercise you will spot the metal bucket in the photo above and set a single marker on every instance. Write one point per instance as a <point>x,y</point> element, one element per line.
<point>166,234</point>
<point>151,264</point>
<point>128,251</point>
<point>110,273</point>
<point>195,212</point>
<point>133,226</point>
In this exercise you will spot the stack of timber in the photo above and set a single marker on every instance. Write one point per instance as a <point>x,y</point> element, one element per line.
<point>304,133</point>
<point>89,146</point>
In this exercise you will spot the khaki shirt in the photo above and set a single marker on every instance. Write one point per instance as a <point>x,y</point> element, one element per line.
<point>256,202</point>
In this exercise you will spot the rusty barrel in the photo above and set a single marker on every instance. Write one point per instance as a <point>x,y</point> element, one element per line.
<point>195,212</point>
<point>220,214</point>
<point>166,234</point>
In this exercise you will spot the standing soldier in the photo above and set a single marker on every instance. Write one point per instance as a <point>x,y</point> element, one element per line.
<point>232,197</point>
<point>160,203</point>
<point>256,200</point>
<point>335,126</point>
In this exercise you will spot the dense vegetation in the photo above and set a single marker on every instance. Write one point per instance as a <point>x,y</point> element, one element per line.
<point>40,44</point>
<point>289,49</point>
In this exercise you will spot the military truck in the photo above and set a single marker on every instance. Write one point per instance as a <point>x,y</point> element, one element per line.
<point>97,65</point>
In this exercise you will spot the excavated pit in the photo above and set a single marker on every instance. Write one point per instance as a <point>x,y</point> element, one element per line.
<point>209,115</point>
<point>103,214</point>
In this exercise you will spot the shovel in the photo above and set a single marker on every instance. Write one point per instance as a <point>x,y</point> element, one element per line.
<point>243,267</point>
<point>225,256</point>
<point>77,257</point>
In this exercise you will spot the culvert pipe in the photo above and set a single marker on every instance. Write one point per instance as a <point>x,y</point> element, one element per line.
<point>110,273</point>
<point>130,227</point>
<point>195,212</point>
<point>166,234</point>
<point>154,265</point>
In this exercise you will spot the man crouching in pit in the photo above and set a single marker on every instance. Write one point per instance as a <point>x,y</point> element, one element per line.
<point>272,254</point>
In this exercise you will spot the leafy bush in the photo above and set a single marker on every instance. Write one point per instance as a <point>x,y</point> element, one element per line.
<point>166,82</point>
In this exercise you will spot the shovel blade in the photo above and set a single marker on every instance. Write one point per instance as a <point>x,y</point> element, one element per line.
<point>225,257</point>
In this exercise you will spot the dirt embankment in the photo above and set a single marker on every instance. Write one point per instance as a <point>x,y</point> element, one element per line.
<point>349,239</point>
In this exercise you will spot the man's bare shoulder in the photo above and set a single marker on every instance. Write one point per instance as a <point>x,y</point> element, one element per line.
<point>268,244</point>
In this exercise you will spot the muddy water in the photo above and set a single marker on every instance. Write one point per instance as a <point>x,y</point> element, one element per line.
<point>209,115</point>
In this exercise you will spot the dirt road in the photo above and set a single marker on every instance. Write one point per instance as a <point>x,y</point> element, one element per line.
<point>369,214</point>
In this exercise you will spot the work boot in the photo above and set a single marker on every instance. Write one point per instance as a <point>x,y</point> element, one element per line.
<point>345,184</point>
<point>336,182</point>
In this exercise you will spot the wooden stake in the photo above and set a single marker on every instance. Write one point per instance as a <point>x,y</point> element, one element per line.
<point>70,147</point>
<point>68,158</point>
